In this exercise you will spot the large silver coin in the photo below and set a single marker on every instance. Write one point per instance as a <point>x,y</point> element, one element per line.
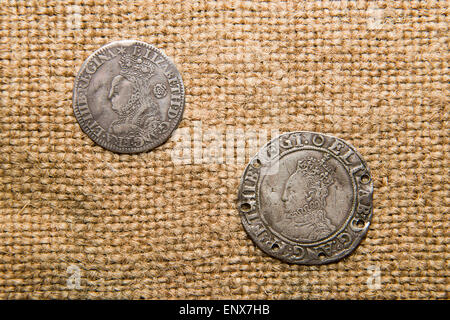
<point>128,97</point>
<point>306,198</point>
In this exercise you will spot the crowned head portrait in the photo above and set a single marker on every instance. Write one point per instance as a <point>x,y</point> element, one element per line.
<point>305,195</point>
<point>131,98</point>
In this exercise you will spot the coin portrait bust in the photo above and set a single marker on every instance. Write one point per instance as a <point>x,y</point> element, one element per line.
<point>304,197</point>
<point>131,98</point>
<point>305,205</point>
<point>128,97</point>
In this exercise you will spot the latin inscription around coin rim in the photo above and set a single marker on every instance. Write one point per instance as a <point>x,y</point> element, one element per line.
<point>137,59</point>
<point>331,248</point>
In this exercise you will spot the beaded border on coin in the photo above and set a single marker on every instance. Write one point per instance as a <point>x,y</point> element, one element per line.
<point>338,244</point>
<point>125,149</point>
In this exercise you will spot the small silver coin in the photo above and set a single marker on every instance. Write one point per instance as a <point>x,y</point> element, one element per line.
<point>128,97</point>
<point>306,198</point>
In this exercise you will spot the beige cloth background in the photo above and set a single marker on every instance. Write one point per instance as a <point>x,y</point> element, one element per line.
<point>139,226</point>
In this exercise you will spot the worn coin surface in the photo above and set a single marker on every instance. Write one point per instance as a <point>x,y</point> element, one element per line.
<point>128,97</point>
<point>306,198</point>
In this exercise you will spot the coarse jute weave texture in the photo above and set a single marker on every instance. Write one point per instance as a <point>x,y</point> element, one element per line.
<point>142,226</point>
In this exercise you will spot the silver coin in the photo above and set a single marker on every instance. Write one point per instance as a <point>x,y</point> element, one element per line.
<point>306,198</point>
<point>128,97</point>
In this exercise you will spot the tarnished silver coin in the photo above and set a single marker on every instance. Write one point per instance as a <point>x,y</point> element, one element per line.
<point>306,198</point>
<point>128,97</point>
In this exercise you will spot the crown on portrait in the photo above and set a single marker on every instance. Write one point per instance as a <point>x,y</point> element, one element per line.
<point>134,68</point>
<point>317,169</point>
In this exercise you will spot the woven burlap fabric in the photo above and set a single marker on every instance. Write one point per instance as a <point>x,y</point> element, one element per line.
<point>142,226</point>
